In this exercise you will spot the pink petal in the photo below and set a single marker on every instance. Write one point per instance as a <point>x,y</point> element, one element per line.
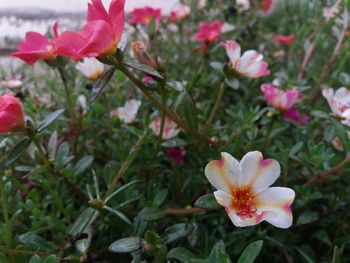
<point>233,50</point>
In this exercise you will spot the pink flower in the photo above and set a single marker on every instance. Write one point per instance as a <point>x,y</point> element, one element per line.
<point>286,40</point>
<point>339,103</point>
<point>176,154</point>
<point>170,129</point>
<point>209,32</point>
<point>243,188</point>
<point>179,13</point>
<point>282,100</point>
<point>35,47</point>
<point>293,115</point>
<point>265,7</point>
<point>250,64</point>
<point>11,114</point>
<point>145,15</point>
<point>100,35</point>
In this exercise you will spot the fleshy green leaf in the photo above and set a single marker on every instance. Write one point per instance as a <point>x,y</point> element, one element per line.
<point>251,252</point>
<point>126,245</point>
<point>101,83</point>
<point>17,151</point>
<point>35,242</point>
<point>83,164</point>
<point>207,201</point>
<point>144,68</point>
<point>218,254</point>
<point>176,232</point>
<point>49,120</point>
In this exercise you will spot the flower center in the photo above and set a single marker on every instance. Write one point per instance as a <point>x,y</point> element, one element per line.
<point>243,202</point>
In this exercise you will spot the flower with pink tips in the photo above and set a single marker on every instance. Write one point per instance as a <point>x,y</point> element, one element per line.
<point>339,102</point>
<point>243,188</point>
<point>250,64</point>
<point>293,115</point>
<point>145,15</point>
<point>282,100</point>
<point>11,114</point>
<point>170,129</point>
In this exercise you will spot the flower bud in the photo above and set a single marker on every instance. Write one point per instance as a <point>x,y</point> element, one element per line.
<point>11,114</point>
<point>140,53</point>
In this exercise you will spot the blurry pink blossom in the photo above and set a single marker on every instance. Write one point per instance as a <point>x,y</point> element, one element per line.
<point>11,114</point>
<point>170,129</point>
<point>332,11</point>
<point>265,7</point>
<point>179,13</point>
<point>286,40</point>
<point>282,100</point>
<point>145,15</point>
<point>250,64</point>
<point>293,115</point>
<point>209,32</point>
<point>176,154</point>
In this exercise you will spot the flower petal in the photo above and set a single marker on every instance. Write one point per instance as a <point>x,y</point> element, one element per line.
<point>223,174</point>
<point>233,50</point>
<point>274,205</point>
<point>257,172</point>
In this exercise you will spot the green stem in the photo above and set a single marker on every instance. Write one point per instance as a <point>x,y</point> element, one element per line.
<point>163,107</point>
<point>162,122</point>
<point>215,108</point>
<point>5,212</point>
<point>68,95</point>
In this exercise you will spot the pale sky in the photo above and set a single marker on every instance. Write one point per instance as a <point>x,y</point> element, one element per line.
<point>80,5</point>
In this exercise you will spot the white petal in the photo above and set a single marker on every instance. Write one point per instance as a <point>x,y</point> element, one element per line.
<point>257,172</point>
<point>249,57</point>
<point>274,206</point>
<point>342,95</point>
<point>223,174</point>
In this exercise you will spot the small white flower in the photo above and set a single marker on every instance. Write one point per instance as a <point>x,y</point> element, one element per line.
<point>90,68</point>
<point>243,4</point>
<point>170,129</point>
<point>339,102</point>
<point>127,113</point>
<point>11,84</point>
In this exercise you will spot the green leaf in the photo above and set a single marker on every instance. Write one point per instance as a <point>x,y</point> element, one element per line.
<point>342,134</point>
<point>49,120</point>
<point>251,252</point>
<point>35,259</point>
<point>160,197</point>
<point>177,142</point>
<point>176,85</point>
<point>85,219</point>
<point>83,164</point>
<point>176,232</point>
<point>118,214</point>
<point>207,201</point>
<point>303,252</point>
<point>153,214</point>
<point>144,68</point>
<point>17,151</point>
<point>183,255</point>
<point>218,254</point>
<point>307,217</point>
<point>51,259</point>
<point>121,189</point>
<point>126,245</point>
<point>35,242</point>
<point>101,83</point>
<point>62,155</point>
<point>217,66</point>
<point>186,109</point>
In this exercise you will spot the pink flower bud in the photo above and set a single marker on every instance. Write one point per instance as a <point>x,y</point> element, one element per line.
<point>285,40</point>
<point>11,114</point>
<point>176,154</point>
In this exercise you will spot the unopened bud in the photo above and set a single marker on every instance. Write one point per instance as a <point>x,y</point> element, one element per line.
<point>140,53</point>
